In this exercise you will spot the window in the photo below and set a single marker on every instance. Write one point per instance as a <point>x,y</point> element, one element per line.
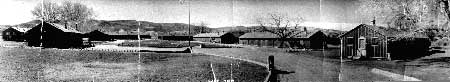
<point>374,41</point>
<point>362,43</point>
<point>350,40</point>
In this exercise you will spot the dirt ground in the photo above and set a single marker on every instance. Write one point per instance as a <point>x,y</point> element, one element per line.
<point>433,67</point>
<point>327,66</point>
<point>307,67</point>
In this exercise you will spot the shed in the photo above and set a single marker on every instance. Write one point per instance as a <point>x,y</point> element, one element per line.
<point>368,41</point>
<point>53,36</point>
<point>219,37</point>
<point>14,34</point>
<point>313,40</point>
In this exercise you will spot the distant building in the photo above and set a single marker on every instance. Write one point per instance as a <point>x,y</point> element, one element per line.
<point>375,42</point>
<point>125,35</point>
<point>175,37</point>
<point>53,36</point>
<point>314,40</point>
<point>96,35</point>
<point>219,37</point>
<point>14,34</point>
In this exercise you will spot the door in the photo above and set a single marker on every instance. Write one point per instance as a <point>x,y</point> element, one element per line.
<point>361,47</point>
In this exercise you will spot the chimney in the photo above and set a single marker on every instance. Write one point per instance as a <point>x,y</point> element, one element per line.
<point>306,30</point>
<point>203,30</point>
<point>65,25</point>
<point>373,21</point>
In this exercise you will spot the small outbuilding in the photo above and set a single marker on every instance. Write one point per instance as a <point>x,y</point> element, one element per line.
<point>14,34</point>
<point>219,37</point>
<point>52,35</point>
<point>376,42</point>
<point>313,40</point>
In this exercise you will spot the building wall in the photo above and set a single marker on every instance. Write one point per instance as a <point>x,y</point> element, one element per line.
<point>53,38</point>
<point>317,41</point>
<point>12,35</point>
<point>208,39</point>
<point>375,42</point>
<point>176,38</point>
<point>274,42</point>
<point>229,38</point>
<point>98,36</point>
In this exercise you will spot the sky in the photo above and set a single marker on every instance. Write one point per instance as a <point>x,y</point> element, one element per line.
<point>214,13</point>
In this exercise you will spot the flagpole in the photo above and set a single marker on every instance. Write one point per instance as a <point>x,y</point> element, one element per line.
<point>139,41</point>
<point>189,21</point>
<point>189,24</point>
<point>42,23</point>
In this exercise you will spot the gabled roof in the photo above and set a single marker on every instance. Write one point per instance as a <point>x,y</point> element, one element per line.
<point>271,35</point>
<point>127,33</point>
<point>20,29</point>
<point>218,34</point>
<point>63,28</point>
<point>388,32</point>
<point>259,35</point>
<point>308,35</point>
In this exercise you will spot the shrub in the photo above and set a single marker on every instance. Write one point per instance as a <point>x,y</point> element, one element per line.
<point>409,48</point>
<point>441,42</point>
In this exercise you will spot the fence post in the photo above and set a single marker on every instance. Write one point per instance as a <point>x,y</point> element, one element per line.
<point>273,76</point>
<point>273,72</point>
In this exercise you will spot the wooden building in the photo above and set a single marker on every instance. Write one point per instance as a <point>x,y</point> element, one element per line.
<point>124,35</point>
<point>96,35</point>
<point>219,37</point>
<point>14,34</point>
<point>176,37</point>
<point>314,40</point>
<point>53,36</point>
<point>372,42</point>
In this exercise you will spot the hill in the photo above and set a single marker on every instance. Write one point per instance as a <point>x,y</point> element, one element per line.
<point>127,25</point>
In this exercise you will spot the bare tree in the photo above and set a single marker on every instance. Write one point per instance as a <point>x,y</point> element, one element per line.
<point>75,12</point>
<point>401,14</point>
<point>431,16</point>
<point>68,12</point>
<point>282,26</point>
<point>201,28</point>
<point>49,12</point>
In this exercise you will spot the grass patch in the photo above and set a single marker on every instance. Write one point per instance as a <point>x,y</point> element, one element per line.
<point>66,65</point>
